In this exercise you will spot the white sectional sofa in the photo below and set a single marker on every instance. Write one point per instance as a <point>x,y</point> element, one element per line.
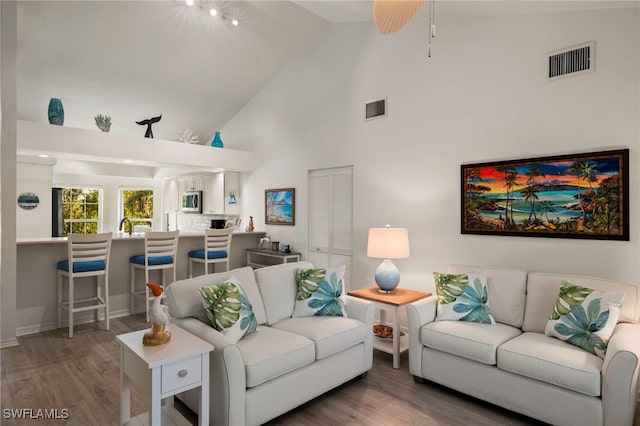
<point>514,365</point>
<point>283,364</point>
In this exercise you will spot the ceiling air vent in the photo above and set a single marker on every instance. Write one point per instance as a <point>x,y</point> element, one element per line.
<point>375,109</point>
<point>571,61</point>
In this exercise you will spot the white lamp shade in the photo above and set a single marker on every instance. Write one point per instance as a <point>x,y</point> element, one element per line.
<point>388,243</point>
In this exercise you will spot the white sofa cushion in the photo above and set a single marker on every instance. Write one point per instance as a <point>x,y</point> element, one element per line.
<point>507,289</point>
<point>542,292</point>
<point>269,353</point>
<point>278,287</point>
<point>552,361</point>
<point>329,333</point>
<point>184,299</point>
<point>471,340</point>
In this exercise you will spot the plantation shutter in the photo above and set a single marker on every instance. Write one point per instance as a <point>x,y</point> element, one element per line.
<point>331,219</point>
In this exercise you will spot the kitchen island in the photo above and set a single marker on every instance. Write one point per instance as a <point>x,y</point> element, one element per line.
<point>36,290</point>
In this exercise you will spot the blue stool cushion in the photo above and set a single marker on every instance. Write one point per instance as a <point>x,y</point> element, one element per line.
<point>88,266</point>
<point>217,254</point>
<point>153,260</point>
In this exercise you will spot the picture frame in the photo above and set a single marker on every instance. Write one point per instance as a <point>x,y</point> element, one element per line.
<point>280,206</point>
<point>582,195</point>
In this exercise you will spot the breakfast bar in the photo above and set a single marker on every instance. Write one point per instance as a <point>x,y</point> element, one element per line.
<point>36,290</point>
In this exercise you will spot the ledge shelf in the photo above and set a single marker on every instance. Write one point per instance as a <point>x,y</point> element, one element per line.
<point>72,143</point>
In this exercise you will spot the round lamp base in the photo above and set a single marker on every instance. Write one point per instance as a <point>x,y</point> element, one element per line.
<point>387,276</point>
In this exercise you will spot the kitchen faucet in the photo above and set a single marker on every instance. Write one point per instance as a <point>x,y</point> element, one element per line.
<point>126,219</point>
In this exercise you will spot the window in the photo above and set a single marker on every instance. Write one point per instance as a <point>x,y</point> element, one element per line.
<point>81,210</point>
<point>137,206</point>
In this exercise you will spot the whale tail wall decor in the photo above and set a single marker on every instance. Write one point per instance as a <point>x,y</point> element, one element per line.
<point>148,122</point>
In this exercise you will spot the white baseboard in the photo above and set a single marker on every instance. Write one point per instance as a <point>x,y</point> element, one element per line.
<point>7,343</point>
<point>78,319</point>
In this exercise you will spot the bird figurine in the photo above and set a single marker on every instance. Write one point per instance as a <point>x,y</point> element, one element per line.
<point>159,317</point>
<point>148,122</point>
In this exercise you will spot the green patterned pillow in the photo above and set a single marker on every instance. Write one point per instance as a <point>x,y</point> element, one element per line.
<point>229,309</point>
<point>319,292</point>
<point>584,317</point>
<point>463,298</point>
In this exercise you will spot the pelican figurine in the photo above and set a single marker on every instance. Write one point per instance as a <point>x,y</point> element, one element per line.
<point>159,317</point>
<point>148,122</point>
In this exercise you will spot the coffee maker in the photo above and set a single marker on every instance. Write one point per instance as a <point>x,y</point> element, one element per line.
<point>218,223</point>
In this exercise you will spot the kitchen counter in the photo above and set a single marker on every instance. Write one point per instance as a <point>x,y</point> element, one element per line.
<point>36,290</point>
<point>125,236</point>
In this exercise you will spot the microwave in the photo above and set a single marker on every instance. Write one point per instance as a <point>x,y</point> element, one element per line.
<point>192,202</point>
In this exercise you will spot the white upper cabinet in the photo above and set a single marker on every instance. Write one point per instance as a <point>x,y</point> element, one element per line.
<point>232,193</point>
<point>213,194</point>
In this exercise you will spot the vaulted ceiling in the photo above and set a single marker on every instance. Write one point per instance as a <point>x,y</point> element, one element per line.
<point>133,60</point>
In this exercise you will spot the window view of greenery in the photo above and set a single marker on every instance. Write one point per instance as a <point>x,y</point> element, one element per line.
<point>137,206</point>
<point>81,212</point>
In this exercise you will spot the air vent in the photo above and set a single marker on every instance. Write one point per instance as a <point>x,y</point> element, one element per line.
<point>375,109</point>
<point>571,61</point>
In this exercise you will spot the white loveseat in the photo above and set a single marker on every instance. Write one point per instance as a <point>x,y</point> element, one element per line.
<point>514,365</point>
<point>283,364</point>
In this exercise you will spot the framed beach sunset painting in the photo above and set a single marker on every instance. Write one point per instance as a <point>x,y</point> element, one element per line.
<point>280,206</point>
<point>567,196</point>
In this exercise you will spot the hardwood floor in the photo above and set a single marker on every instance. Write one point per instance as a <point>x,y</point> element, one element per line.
<point>82,376</point>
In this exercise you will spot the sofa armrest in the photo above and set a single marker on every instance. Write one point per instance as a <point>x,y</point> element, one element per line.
<point>227,380</point>
<point>363,310</point>
<point>419,313</point>
<point>620,375</point>
<point>360,309</point>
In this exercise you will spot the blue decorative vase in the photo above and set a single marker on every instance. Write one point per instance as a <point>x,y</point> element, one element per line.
<point>56,112</point>
<point>217,142</point>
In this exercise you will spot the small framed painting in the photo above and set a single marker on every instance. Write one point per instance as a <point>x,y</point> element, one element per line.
<point>568,196</point>
<point>280,206</point>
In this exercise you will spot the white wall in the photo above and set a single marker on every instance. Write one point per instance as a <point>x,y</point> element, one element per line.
<point>8,251</point>
<point>35,178</point>
<point>482,96</point>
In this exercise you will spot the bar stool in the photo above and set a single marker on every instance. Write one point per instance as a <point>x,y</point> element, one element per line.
<point>89,256</point>
<point>217,243</point>
<point>160,250</point>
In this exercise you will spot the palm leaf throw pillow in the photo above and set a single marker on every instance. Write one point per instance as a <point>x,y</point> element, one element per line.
<point>584,317</point>
<point>229,309</point>
<point>463,297</point>
<point>319,292</point>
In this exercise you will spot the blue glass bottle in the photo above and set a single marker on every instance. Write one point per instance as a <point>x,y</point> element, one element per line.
<point>217,142</point>
<point>56,112</point>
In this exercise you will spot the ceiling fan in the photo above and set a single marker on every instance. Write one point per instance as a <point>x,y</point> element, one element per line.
<point>391,15</point>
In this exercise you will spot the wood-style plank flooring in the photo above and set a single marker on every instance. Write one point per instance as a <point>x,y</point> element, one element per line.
<point>82,375</point>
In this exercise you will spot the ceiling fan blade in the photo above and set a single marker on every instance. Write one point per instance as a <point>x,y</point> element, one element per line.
<point>391,15</point>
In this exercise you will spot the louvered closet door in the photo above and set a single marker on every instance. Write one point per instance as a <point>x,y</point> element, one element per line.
<point>331,219</point>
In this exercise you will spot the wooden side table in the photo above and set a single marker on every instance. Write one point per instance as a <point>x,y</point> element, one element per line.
<point>177,366</point>
<point>393,302</point>
<point>256,258</point>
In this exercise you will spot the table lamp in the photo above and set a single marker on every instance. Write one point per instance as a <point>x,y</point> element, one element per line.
<point>388,243</point>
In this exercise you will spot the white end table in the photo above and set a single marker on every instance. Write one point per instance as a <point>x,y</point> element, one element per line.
<point>177,366</point>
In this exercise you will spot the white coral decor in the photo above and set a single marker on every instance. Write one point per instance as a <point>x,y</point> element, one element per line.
<point>187,136</point>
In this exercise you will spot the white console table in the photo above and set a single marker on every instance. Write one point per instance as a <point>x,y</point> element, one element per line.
<point>177,366</point>
<point>259,258</point>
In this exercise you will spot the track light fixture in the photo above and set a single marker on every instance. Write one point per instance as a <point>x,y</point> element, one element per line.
<point>214,9</point>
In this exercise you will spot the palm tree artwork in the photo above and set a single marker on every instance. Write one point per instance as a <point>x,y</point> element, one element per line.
<point>572,196</point>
